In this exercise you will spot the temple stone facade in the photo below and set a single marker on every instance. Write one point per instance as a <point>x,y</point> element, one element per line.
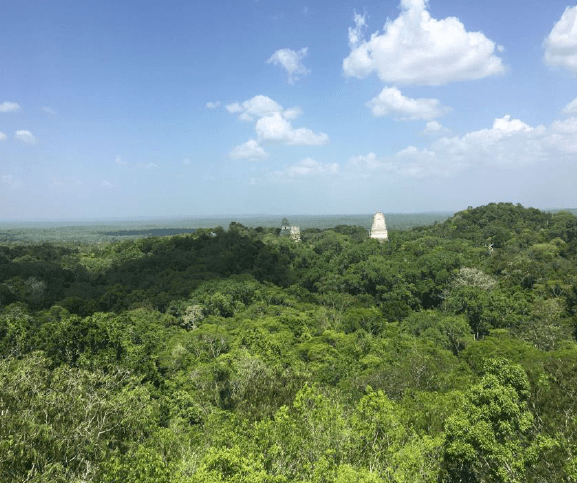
<point>379,228</point>
<point>295,233</point>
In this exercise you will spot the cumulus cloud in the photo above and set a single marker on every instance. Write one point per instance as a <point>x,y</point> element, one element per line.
<point>306,168</point>
<point>25,136</point>
<point>273,122</point>
<point>417,49</point>
<point>9,107</point>
<point>509,143</point>
<point>212,105</point>
<point>435,127</point>
<point>2,136</point>
<point>276,128</point>
<point>561,43</point>
<point>256,107</point>
<point>249,150</point>
<point>291,61</point>
<point>391,102</point>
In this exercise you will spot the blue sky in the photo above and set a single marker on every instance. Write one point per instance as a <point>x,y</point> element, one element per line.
<point>191,108</point>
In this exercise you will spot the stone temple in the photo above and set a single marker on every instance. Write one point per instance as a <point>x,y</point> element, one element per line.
<point>379,228</point>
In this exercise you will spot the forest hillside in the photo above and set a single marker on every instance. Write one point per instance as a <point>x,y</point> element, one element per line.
<point>446,354</point>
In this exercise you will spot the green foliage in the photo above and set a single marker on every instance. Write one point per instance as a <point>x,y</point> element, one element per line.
<point>446,354</point>
<point>450,332</point>
<point>141,466</point>
<point>59,425</point>
<point>489,439</point>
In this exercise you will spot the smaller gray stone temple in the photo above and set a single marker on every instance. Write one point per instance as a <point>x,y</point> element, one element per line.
<point>379,228</point>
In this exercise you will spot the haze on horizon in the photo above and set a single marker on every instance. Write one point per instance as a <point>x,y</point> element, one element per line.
<point>193,109</point>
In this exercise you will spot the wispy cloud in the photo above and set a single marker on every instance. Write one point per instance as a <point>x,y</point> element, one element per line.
<point>392,102</point>
<point>120,161</point>
<point>250,150</point>
<point>292,62</point>
<point>435,127</point>
<point>9,107</point>
<point>2,136</point>
<point>25,136</point>
<point>49,110</point>
<point>570,108</point>
<point>212,105</point>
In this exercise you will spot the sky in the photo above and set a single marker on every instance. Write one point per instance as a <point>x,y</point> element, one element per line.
<point>124,109</point>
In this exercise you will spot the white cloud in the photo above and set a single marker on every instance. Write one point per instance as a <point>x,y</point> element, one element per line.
<point>106,184</point>
<point>417,49</point>
<point>391,101</point>
<point>2,136</point>
<point>273,122</point>
<point>249,150</point>
<point>306,167</point>
<point>508,126</point>
<point>277,128</point>
<point>435,127</point>
<point>25,136</point>
<point>292,113</point>
<point>186,161</point>
<point>356,34</point>
<point>49,110</point>
<point>9,107</point>
<point>256,107</point>
<point>291,61</point>
<point>509,143</point>
<point>120,161</point>
<point>561,43</point>
<point>212,105</point>
<point>571,108</point>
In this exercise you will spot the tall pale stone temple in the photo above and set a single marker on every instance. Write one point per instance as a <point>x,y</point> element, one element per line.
<point>379,228</point>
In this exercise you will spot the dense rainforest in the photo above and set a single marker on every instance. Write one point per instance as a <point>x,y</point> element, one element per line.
<point>447,354</point>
